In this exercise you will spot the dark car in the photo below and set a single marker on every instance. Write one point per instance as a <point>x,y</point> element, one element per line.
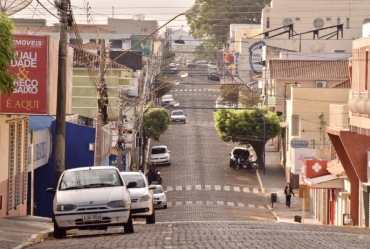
<point>213,76</point>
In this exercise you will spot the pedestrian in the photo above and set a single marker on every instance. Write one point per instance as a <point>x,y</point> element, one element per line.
<point>288,191</point>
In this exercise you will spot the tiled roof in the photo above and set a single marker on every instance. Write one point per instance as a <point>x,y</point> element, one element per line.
<point>93,59</point>
<point>343,84</point>
<point>311,69</point>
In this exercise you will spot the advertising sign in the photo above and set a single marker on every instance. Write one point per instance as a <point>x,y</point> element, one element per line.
<point>314,167</point>
<point>31,71</point>
<point>296,158</point>
<point>255,56</point>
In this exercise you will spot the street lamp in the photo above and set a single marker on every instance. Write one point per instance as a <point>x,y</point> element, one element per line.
<point>187,12</point>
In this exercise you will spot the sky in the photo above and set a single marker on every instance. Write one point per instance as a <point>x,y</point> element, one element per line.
<point>101,10</point>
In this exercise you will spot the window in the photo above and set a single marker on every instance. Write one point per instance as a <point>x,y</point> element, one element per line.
<point>367,20</point>
<point>144,30</point>
<point>347,23</point>
<point>11,168</point>
<point>287,21</point>
<point>268,22</point>
<point>295,125</point>
<point>318,23</point>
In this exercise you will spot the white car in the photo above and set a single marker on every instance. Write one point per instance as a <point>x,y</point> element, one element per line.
<point>160,198</point>
<point>178,116</point>
<point>91,198</point>
<point>167,100</point>
<point>141,196</point>
<point>160,155</point>
<point>172,64</point>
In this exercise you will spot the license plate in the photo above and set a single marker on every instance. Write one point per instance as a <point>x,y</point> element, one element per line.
<point>91,217</point>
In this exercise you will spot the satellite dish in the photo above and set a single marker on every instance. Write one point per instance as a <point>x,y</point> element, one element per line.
<point>10,7</point>
<point>319,47</point>
<point>139,17</point>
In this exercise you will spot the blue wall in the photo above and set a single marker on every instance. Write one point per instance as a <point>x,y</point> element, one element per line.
<point>78,138</point>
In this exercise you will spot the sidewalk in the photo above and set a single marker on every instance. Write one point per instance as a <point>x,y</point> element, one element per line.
<point>273,181</point>
<point>21,232</point>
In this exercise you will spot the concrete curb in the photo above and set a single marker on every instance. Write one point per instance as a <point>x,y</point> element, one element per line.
<point>259,180</point>
<point>36,238</point>
<point>273,213</point>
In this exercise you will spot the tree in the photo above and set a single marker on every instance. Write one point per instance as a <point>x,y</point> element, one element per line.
<point>249,97</point>
<point>7,54</point>
<point>155,123</point>
<point>246,127</point>
<point>230,93</point>
<point>212,18</point>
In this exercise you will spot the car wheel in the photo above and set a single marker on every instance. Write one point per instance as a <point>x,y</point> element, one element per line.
<point>160,181</point>
<point>165,206</point>
<point>151,219</point>
<point>231,163</point>
<point>129,226</point>
<point>59,233</point>
<point>184,121</point>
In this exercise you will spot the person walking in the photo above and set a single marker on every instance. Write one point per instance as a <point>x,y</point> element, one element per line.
<point>288,191</point>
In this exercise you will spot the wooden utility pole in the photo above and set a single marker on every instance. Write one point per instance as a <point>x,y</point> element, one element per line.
<point>60,126</point>
<point>102,102</point>
<point>120,140</point>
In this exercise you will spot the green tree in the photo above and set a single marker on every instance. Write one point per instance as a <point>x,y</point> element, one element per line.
<point>7,54</point>
<point>212,18</point>
<point>249,97</point>
<point>155,123</point>
<point>247,127</point>
<point>230,93</point>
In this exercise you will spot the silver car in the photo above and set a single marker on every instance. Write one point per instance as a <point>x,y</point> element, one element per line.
<point>91,198</point>
<point>160,198</point>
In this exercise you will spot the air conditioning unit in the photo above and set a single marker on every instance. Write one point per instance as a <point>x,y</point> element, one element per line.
<point>321,84</point>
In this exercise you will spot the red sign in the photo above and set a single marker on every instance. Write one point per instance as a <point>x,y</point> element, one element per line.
<point>312,168</point>
<point>31,71</point>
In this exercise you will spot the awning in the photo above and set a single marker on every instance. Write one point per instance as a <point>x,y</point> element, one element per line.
<point>326,181</point>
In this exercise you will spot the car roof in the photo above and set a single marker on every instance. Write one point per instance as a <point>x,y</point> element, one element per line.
<point>91,168</point>
<point>167,95</point>
<point>239,148</point>
<point>131,173</point>
<point>177,111</point>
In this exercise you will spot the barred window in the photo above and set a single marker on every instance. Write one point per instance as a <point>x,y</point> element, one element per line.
<point>18,165</point>
<point>295,125</point>
<point>11,168</point>
<point>25,162</point>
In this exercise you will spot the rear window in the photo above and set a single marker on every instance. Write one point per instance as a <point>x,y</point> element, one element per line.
<point>177,113</point>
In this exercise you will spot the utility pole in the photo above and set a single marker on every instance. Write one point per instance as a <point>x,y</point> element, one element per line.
<point>102,106</point>
<point>60,129</point>
<point>120,141</point>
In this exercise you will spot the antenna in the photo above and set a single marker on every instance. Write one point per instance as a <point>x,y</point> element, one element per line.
<point>12,7</point>
<point>319,47</point>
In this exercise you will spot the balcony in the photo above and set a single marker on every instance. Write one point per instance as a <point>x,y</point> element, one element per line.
<point>339,117</point>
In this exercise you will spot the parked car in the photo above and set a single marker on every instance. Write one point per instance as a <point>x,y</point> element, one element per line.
<point>237,152</point>
<point>142,200</point>
<point>214,75</point>
<point>178,116</point>
<point>172,64</point>
<point>220,103</point>
<point>167,100</point>
<point>201,63</point>
<point>91,198</point>
<point>212,64</point>
<point>160,155</point>
<point>212,69</point>
<point>190,64</point>
<point>160,198</point>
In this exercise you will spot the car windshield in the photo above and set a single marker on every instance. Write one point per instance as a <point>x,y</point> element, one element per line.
<point>158,150</point>
<point>158,190</point>
<point>90,179</point>
<point>140,183</point>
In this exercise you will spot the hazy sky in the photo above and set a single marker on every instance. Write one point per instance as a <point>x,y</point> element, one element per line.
<point>160,10</point>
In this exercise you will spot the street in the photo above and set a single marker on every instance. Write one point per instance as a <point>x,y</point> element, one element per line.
<point>210,205</point>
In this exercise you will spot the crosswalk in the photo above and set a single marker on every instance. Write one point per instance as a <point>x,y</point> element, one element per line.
<point>212,203</point>
<point>213,187</point>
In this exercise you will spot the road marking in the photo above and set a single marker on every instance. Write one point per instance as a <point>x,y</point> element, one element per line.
<point>241,204</point>
<point>199,202</point>
<point>246,190</point>
<point>169,188</point>
<point>189,203</point>
<point>198,187</point>
<point>236,189</point>
<point>251,205</point>
<point>217,187</point>
<point>255,190</point>
<point>227,188</point>
<point>230,203</point>
<point>178,203</point>
<point>209,202</point>
<point>178,188</point>
<point>188,187</point>
<point>220,203</point>
<point>207,187</point>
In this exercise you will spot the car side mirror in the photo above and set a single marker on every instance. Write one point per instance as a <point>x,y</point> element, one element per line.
<point>50,190</point>
<point>131,185</point>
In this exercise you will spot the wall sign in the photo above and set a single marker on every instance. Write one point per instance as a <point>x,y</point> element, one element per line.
<point>255,56</point>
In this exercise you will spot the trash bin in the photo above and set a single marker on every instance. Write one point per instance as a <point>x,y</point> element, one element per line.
<point>298,218</point>
<point>273,198</point>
